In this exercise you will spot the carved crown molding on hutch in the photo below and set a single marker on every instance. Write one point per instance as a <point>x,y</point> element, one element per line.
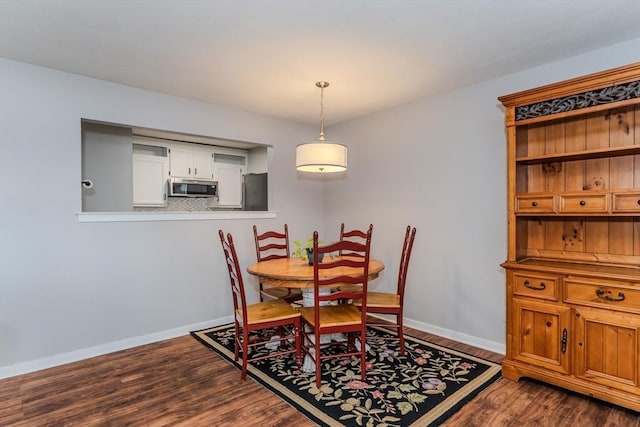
<point>578,101</point>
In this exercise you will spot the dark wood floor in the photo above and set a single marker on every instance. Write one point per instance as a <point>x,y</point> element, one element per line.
<point>179,382</point>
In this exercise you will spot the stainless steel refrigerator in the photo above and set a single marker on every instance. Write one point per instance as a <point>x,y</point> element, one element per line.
<point>255,192</point>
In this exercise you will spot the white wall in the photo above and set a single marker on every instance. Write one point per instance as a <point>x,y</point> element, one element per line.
<point>440,164</point>
<point>71,289</point>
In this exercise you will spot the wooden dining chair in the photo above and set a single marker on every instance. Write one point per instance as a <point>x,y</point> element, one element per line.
<point>274,245</point>
<point>256,317</point>
<point>325,318</point>
<point>392,303</point>
<point>354,235</point>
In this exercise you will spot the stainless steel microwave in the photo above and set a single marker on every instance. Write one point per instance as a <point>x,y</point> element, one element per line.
<point>182,187</point>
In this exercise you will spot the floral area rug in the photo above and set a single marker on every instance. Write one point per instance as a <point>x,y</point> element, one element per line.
<point>423,388</point>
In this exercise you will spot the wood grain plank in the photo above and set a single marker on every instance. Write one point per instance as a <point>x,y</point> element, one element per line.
<point>636,141</point>
<point>554,143</point>
<point>536,146</point>
<point>621,129</point>
<point>597,178</point>
<point>621,236</point>
<point>621,134</point>
<point>626,345</point>
<point>539,334</point>
<point>551,337</point>
<point>636,236</point>
<point>536,233</point>
<point>554,234</point>
<point>575,141</point>
<point>536,182</point>
<point>595,345</point>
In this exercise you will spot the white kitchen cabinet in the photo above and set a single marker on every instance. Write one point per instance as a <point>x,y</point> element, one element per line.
<point>229,179</point>
<point>192,163</point>
<point>229,167</point>
<point>150,174</point>
<point>203,164</point>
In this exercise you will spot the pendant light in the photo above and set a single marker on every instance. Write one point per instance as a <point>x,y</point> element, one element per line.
<point>321,156</point>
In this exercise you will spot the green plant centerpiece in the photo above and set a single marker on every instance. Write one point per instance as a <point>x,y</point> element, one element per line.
<point>305,251</point>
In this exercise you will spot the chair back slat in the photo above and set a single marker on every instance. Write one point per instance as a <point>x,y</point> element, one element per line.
<point>352,269</point>
<point>271,244</point>
<point>356,236</point>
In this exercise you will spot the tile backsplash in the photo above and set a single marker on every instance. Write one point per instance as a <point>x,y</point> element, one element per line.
<point>184,204</point>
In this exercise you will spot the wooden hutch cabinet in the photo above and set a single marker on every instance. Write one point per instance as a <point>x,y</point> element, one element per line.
<point>573,257</point>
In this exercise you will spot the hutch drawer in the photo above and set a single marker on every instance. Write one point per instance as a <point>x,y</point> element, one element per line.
<point>583,203</point>
<point>536,285</point>
<point>626,202</point>
<point>616,295</point>
<point>532,204</point>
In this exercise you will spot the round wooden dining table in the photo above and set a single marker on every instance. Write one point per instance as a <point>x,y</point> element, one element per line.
<point>297,273</point>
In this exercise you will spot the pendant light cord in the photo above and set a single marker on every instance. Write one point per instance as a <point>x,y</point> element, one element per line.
<point>322,85</point>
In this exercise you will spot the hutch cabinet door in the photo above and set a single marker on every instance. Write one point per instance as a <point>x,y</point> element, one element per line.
<point>541,334</point>
<point>606,348</point>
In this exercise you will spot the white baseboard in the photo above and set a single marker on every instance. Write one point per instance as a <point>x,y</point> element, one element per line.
<point>99,350</point>
<point>453,335</point>
<point>74,356</point>
<point>496,347</point>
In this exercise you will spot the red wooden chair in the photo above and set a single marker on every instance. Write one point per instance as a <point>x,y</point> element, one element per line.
<point>354,235</point>
<point>326,318</point>
<point>274,245</point>
<point>392,303</point>
<point>255,317</point>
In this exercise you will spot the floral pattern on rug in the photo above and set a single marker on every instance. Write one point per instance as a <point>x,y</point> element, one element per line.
<point>398,390</point>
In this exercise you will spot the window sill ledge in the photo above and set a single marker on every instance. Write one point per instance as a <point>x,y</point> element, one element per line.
<point>171,216</point>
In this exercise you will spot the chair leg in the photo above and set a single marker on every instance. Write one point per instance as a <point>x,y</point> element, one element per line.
<point>316,346</point>
<point>296,336</point>
<point>236,347</point>
<point>245,354</point>
<point>400,333</point>
<point>363,354</point>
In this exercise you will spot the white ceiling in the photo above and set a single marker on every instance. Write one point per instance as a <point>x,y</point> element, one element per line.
<point>266,55</point>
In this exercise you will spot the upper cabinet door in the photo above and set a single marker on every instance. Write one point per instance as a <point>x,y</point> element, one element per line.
<point>202,164</point>
<point>181,161</point>
<point>149,180</point>
<point>191,163</point>
<point>229,179</point>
